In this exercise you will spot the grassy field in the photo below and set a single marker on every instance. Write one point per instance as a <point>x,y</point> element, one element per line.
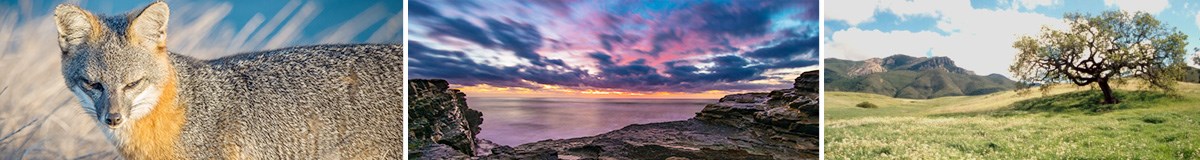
<point>1064,123</point>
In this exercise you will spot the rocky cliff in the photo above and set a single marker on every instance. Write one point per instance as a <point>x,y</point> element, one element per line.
<point>780,124</point>
<point>440,124</point>
<point>905,62</point>
<point>873,65</point>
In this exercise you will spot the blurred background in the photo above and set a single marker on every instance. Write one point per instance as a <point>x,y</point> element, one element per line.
<point>39,119</point>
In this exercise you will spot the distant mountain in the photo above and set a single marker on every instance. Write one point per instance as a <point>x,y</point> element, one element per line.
<point>905,76</point>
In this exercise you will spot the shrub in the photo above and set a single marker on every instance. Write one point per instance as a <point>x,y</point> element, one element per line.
<point>866,105</point>
<point>1153,119</point>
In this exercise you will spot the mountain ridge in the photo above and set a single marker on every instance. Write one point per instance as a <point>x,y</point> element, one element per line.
<point>905,76</point>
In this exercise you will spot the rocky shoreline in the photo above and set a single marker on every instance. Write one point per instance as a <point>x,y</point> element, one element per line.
<point>781,124</point>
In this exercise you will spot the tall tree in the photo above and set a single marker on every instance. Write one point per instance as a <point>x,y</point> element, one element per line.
<point>1102,49</point>
<point>1195,59</point>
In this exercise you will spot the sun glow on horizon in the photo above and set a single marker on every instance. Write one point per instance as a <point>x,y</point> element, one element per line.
<point>485,90</point>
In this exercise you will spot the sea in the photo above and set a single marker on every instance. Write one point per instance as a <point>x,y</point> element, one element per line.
<point>515,121</point>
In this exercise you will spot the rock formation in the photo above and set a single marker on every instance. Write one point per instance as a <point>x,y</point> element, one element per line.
<point>939,63</point>
<point>873,65</point>
<point>781,124</point>
<point>439,120</point>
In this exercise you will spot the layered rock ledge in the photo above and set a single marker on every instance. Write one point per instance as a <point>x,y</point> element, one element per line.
<point>440,124</point>
<point>781,124</point>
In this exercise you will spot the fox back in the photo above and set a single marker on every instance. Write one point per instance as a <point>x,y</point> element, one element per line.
<point>329,101</point>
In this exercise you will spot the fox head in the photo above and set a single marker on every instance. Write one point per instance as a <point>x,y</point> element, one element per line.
<point>116,66</point>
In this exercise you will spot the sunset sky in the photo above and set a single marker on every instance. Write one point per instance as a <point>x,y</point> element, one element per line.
<point>618,49</point>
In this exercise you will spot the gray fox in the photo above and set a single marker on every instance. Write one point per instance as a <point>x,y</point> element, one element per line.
<point>327,101</point>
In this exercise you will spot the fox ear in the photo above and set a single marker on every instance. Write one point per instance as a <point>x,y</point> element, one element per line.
<point>75,26</point>
<point>149,27</point>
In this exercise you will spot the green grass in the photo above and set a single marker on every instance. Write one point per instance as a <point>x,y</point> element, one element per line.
<point>1066,124</point>
<point>1088,101</point>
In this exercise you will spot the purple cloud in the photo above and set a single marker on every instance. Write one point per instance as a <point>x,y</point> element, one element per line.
<point>673,46</point>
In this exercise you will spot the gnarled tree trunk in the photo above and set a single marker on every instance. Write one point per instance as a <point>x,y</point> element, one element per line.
<point>1108,92</point>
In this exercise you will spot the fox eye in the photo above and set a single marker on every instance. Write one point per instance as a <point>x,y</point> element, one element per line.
<point>134,84</point>
<point>91,85</point>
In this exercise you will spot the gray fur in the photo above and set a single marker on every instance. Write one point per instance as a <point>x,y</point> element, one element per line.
<point>308,101</point>
<point>323,101</point>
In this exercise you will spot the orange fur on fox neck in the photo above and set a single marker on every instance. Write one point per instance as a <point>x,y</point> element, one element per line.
<point>156,135</point>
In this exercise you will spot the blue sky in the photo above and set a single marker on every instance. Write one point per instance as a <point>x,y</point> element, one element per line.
<point>303,23</point>
<point>977,34</point>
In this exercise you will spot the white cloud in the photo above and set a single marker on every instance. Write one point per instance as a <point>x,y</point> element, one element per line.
<point>922,8</point>
<point>1148,6</point>
<point>856,12</point>
<point>1198,18</point>
<point>1194,54</point>
<point>979,39</point>
<point>1031,4</point>
<point>852,12</point>
<point>860,44</point>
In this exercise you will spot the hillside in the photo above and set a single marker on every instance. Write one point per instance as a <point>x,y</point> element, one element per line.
<point>904,76</point>
<point>1061,124</point>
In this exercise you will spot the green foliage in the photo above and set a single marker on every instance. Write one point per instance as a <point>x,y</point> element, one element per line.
<point>1196,59</point>
<point>865,104</point>
<point>1100,49</point>
<point>1191,74</point>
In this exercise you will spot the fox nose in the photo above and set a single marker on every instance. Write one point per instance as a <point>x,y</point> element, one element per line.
<point>113,119</point>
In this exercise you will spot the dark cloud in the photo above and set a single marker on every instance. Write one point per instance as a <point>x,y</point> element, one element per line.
<point>418,9</point>
<point>564,77</point>
<point>559,7</point>
<point>810,13</point>
<point>786,54</point>
<point>558,62</point>
<point>661,40</point>
<point>719,26</point>
<point>427,62</point>
<point>731,20</point>
<point>717,22</point>
<point>462,29</point>
<point>601,58</point>
<point>791,64</point>
<point>606,41</point>
<point>788,49</point>
<point>637,75</point>
<point>522,39</point>
<point>635,68</point>
<point>712,50</point>
<point>729,68</point>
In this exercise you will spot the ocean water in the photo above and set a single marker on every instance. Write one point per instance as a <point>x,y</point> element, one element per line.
<point>515,121</point>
